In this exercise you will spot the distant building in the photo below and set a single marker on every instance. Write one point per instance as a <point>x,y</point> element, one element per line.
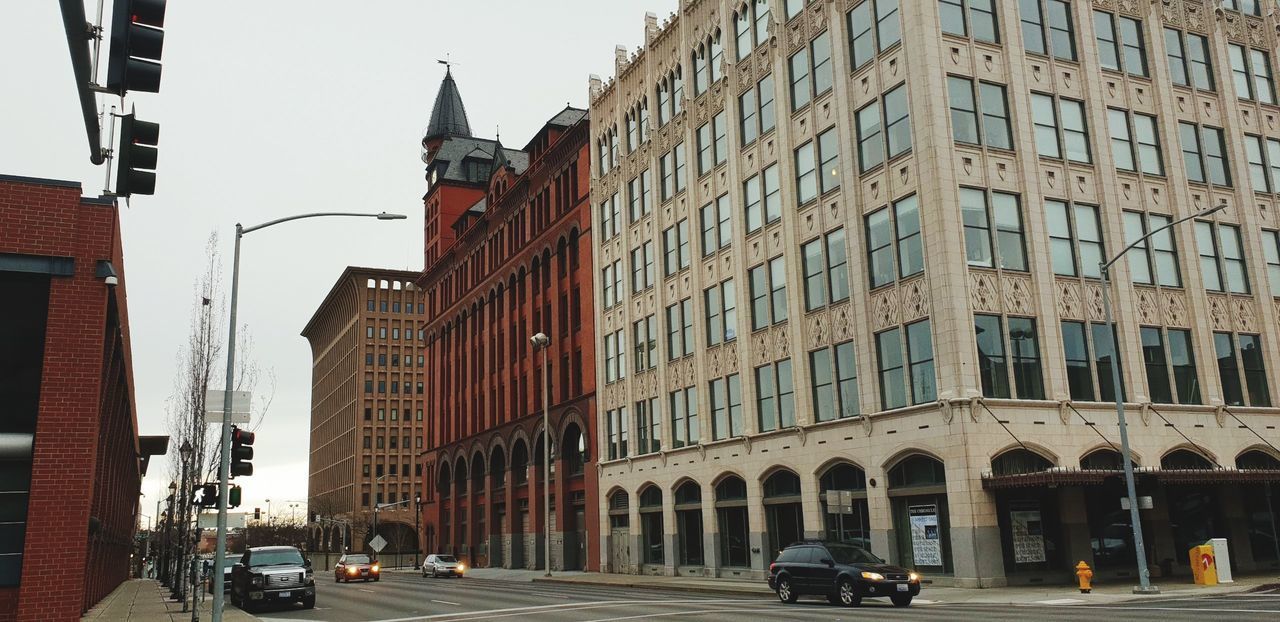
<point>507,254</point>
<point>367,398</point>
<point>71,460</point>
<point>865,238</point>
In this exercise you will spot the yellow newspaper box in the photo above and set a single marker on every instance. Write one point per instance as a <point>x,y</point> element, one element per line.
<point>1203,566</point>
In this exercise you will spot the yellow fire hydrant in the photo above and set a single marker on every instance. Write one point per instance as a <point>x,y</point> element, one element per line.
<point>1084,575</point>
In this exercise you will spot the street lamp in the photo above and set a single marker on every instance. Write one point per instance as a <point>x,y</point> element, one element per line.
<point>417,531</point>
<point>542,342</point>
<point>225,463</point>
<point>179,586</point>
<point>1144,579</point>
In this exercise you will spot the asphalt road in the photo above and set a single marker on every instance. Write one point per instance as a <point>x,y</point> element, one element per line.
<point>409,598</point>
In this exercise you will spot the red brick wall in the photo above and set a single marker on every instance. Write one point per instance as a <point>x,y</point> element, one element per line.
<point>85,460</point>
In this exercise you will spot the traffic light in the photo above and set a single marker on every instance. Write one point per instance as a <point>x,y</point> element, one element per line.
<point>136,42</point>
<point>206,496</point>
<point>137,156</point>
<point>257,513</point>
<point>233,497</point>
<point>241,452</point>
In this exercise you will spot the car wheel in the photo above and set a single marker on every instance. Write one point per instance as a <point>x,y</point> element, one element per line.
<point>786,593</point>
<point>376,579</point>
<point>901,601</point>
<point>309,602</point>
<point>847,593</point>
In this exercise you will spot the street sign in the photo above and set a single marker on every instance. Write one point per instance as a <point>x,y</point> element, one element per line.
<point>235,520</point>
<point>378,543</point>
<point>241,401</point>
<point>1144,503</point>
<point>840,501</point>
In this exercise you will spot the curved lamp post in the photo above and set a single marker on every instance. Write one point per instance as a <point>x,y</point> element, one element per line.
<point>225,466</point>
<point>1144,576</point>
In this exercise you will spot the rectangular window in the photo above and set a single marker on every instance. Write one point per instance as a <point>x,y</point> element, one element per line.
<point>1205,154</point>
<point>829,156</point>
<point>1075,239</point>
<point>768,293</point>
<point>820,53</point>
<point>801,90</point>
<point>766,97</point>
<point>681,182</point>
<point>1221,257</point>
<point>991,127</point>
<point>1024,348</point>
<point>1250,7</point>
<point>1061,130</point>
<point>883,233</point>
<point>667,171</point>
<point>722,313</point>
<point>1251,73</point>
<point>983,212</point>
<point>726,407</point>
<point>826,270</point>
<point>993,367</point>
<point>676,248</point>
<point>752,204</point>
<point>705,149</point>
<point>1047,28</point>
<point>980,18</point>
<point>887,135</point>
<point>1246,364</point>
<point>1120,43</point>
<point>1136,149</point>
<point>1188,56</point>
<point>719,134</point>
<point>835,382</point>
<point>645,337</point>
<point>1075,346</point>
<point>684,417</point>
<point>775,404</point>
<point>648,427</point>
<point>772,194</point>
<point>749,117</point>
<point>1271,252</point>
<point>906,373</point>
<point>1154,260</point>
<point>806,174</point>
<point>1104,356</point>
<point>1255,372</point>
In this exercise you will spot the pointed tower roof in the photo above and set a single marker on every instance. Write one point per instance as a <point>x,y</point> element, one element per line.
<point>448,117</point>
<point>500,158</point>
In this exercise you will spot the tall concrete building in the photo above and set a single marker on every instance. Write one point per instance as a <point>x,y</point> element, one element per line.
<point>853,246</point>
<point>367,421</point>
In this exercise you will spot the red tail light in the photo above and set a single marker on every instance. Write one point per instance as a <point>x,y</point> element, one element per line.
<point>771,567</point>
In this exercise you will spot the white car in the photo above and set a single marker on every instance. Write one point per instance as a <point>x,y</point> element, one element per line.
<point>438,565</point>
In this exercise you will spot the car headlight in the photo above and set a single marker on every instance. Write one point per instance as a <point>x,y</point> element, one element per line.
<point>873,576</point>
<point>462,567</point>
<point>255,580</point>
<point>375,568</point>
<point>913,577</point>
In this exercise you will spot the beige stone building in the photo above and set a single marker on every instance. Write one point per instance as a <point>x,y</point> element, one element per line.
<point>367,398</point>
<point>852,246</point>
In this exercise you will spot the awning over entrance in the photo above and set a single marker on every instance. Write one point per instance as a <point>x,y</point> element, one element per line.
<point>1095,477</point>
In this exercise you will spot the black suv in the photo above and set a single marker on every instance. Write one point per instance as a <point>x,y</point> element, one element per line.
<point>844,573</point>
<point>272,574</point>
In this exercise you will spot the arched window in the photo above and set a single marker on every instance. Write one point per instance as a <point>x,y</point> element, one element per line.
<point>477,472</point>
<point>498,468</point>
<point>1019,461</point>
<point>783,514</point>
<point>651,525</point>
<point>688,505</point>
<point>731,515</point>
<point>1103,460</point>
<point>520,463</point>
<point>619,503</point>
<point>460,477</point>
<point>917,470</point>
<point>849,522</point>
<point>444,482</point>
<point>782,484</point>
<point>1183,459</point>
<point>1257,460</point>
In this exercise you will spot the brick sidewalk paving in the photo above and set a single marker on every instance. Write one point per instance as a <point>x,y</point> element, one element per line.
<point>145,600</point>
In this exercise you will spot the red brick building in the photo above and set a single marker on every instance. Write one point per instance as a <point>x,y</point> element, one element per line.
<point>71,461</point>
<point>507,255</point>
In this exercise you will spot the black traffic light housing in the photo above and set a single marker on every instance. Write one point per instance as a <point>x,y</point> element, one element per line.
<point>137,156</point>
<point>233,497</point>
<point>137,39</point>
<point>241,452</point>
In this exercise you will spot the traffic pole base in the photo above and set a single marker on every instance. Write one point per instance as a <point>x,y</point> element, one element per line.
<point>1150,589</point>
<point>1085,590</point>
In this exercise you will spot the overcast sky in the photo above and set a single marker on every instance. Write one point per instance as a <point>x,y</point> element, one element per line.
<point>270,108</point>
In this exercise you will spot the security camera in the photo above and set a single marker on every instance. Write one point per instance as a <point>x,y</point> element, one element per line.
<point>112,281</point>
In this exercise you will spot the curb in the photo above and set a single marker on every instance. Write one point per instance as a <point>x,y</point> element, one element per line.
<point>645,585</point>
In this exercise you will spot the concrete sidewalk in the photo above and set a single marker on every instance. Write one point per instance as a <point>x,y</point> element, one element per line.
<point>1040,594</point>
<point>145,600</point>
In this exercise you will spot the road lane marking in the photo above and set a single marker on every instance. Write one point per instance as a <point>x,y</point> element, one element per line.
<point>445,602</point>
<point>1189,609</point>
<point>1060,601</point>
<point>675,613</point>
<point>369,591</point>
<point>518,611</point>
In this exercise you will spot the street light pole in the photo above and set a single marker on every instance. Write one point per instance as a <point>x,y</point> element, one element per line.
<point>224,466</point>
<point>542,342</point>
<point>417,531</point>
<point>1144,575</point>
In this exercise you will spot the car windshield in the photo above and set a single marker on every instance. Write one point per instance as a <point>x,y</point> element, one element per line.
<point>845,554</point>
<point>448,559</point>
<point>356,559</point>
<point>276,558</point>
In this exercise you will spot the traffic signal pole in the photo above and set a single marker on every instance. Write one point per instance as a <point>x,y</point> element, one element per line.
<point>224,460</point>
